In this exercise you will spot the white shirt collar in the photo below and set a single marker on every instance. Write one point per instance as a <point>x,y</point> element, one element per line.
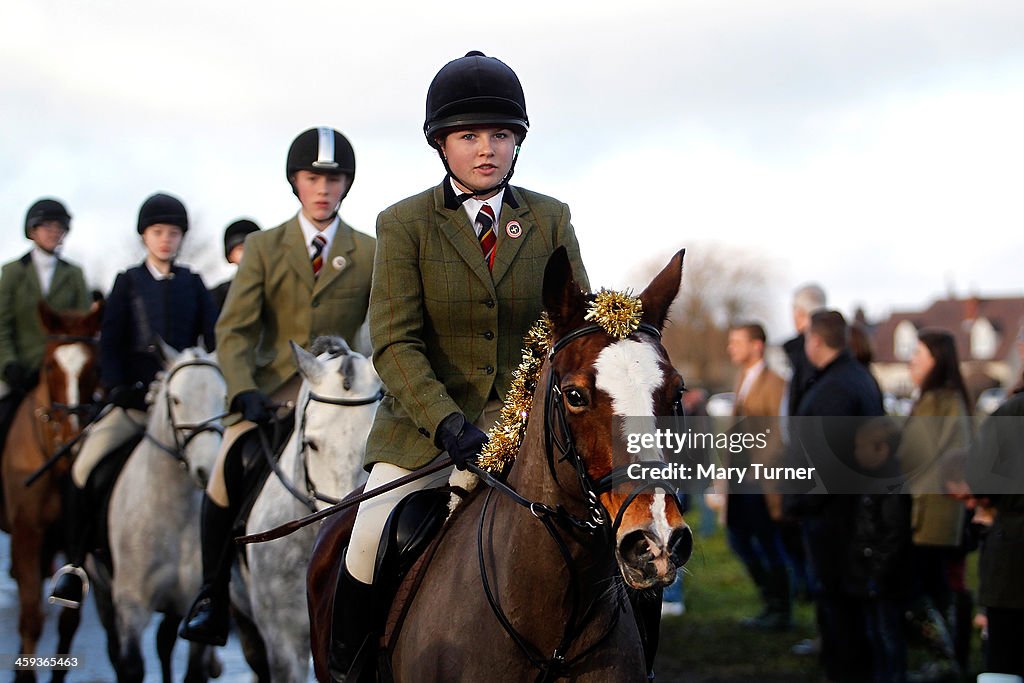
<point>749,377</point>
<point>45,265</point>
<point>157,275</point>
<point>472,206</point>
<point>309,231</point>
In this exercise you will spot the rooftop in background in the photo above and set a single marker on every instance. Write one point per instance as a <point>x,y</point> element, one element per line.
<point>985,328</point>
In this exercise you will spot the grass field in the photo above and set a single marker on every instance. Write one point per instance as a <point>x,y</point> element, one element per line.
<point>707,644</point>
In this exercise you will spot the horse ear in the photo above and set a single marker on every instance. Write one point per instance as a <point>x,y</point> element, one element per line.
<point>51,320</point>
<point>168,353</point>
<point>92,321</point>
<point>563,299</point>
<point>309,365</point>
<point>662,291</point>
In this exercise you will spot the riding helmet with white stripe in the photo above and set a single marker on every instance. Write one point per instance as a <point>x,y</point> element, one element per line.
<point>321,150</point>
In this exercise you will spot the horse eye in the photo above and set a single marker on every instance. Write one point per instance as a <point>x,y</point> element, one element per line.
<point>311,446</point>
<point>175,400</point>
<point>576,398</point>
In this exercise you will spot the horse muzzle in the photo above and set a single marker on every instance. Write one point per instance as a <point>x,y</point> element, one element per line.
<point>647,561</point>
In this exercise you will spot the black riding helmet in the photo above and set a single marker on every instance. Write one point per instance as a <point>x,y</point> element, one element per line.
<point>162,208</point>
<point>321,150</point>
<point>235,234</point>
<point>475,90</point>
<point>46,210</point>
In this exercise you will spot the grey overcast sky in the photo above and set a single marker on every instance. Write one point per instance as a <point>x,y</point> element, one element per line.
<point>873,146</point>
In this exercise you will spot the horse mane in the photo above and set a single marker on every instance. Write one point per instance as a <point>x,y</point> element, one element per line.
<point>332,345</point>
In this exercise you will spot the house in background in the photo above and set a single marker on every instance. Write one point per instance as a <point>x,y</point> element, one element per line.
<point>986,331</point>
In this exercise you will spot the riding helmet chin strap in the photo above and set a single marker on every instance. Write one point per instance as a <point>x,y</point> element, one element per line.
<point>479,193</point>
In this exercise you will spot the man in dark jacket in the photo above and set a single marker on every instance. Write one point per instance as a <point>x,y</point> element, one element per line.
<point>842,388</point>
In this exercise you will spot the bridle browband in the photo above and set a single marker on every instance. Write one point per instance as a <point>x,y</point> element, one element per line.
<point>184,432</point>
<point>597,522</point>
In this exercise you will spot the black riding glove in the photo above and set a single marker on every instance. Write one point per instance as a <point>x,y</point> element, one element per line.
<point>460,438</point>
<point>254,406</point>
<point>127,396</point>
<point>16,375</point>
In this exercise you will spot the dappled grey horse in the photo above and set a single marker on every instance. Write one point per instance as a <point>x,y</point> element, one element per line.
<point>154,513</point>
<point>320,464</point>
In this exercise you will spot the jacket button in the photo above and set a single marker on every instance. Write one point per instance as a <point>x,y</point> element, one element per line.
<point>315,304</point>
<point>489,303</point>
<point>489,370</point>
<point>488,335</point>
<point>424,432</point>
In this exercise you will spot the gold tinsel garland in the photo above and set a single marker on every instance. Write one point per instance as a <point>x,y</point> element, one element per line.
<point>617,313</point>
<point>504,438</point>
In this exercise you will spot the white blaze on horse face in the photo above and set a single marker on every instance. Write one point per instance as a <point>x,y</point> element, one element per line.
<point>629,372</point>
<point>71,358</point>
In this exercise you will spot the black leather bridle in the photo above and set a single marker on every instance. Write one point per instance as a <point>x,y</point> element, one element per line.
<point>596,524</point>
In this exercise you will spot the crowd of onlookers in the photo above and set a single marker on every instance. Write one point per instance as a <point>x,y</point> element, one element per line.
<point>886,570</point>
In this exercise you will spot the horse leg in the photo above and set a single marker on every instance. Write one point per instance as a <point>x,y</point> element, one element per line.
<point>131,622</point>
<point>202,663</point>
<point>66,627</point>
<point>253,648</point>
<point>166,635</point>
<point>26,570</point>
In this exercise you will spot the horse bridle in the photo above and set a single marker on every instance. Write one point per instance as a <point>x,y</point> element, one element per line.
<point>557,435</point>
<point>185,432</point>
<point>312,495</point>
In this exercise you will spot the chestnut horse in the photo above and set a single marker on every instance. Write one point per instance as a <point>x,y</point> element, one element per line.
<point>48,418</point>
<point>529,580</point>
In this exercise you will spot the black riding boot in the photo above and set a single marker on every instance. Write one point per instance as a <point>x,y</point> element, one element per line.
<point>71,583</point>
<point>207,620</point>
<point>354,629</point>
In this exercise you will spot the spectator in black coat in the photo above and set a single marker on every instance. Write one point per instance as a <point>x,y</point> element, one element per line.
<point>877,573</point>
<point>842,388</point>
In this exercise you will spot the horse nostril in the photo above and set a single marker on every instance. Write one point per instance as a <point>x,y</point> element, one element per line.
<point>680,545</point>
<point>635,548</point>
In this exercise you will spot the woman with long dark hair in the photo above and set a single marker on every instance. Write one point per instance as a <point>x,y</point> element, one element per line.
<point>939,423</point>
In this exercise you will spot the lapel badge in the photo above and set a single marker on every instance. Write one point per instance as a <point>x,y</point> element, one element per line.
<point>339,262</point>
<point>513,229</point>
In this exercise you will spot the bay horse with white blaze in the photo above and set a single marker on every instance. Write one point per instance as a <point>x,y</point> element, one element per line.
<point>51,416</point>
<point>529,580</point>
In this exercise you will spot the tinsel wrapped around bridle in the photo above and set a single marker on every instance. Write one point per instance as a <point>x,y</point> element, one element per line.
<point>617,313</point>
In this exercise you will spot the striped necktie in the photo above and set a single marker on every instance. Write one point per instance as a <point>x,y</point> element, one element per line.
<point>485,219</point>
<point>317,259</point>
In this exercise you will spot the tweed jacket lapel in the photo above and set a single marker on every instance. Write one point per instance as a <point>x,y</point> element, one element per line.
<point>61,278</point>
<point>339,258</point>
<point>297,254</point>
<point>513,208</point>
<point>454,226</point>
<point>35,291</point>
